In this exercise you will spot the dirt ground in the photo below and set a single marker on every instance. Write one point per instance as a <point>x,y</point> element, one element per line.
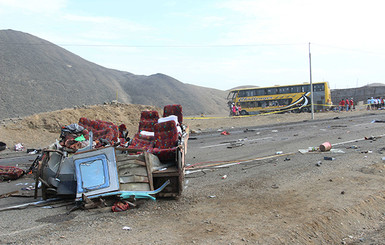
<point>271,201</point>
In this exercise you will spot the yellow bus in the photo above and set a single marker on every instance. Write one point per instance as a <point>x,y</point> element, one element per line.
<point>295,98</point>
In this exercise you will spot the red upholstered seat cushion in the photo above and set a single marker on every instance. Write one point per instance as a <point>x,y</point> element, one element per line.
<point>147,120</point>
<point>149,115</point>
<point>141,143</point>
<point>176,110</point>
<point>166,140</point>
<point>146,126</point>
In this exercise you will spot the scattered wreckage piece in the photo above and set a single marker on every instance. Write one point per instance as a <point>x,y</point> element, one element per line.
<point>236,144</point>
<point>36,204</point>
<point>10,173</point>
<point>3,146</point>
<point>8,194</point>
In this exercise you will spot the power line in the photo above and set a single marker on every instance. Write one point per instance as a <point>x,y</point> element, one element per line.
<point>349,49</point>
<point>159,46</point>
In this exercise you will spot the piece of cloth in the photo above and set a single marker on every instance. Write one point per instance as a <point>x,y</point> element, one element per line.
<point>19,147</point>
<point>146,133</point>
<point>168,118</point>
<point>120,206</point>
<point>80,138</point>
<point>73,128</point>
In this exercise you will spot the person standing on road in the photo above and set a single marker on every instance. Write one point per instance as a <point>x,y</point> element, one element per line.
<point>342,104</point>
<point>234,110</point>
<point>368,102</point>
<point>351,104</point>
<point>372,103</point>
<point>347,104</point>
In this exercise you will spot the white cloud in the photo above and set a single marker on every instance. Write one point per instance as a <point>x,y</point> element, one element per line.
<point>343,22</point>
<point>210,21</point>
<point>37,6</point>
<point>88,19</point>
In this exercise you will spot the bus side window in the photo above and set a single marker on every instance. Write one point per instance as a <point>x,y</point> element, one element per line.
<point>283,90</point>
<point>305,88</point>
<point>272,91</point>
<point>294,89</point>
<point>260,92</point>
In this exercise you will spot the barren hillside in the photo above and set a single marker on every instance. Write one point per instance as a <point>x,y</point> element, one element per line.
<point>39,76</point>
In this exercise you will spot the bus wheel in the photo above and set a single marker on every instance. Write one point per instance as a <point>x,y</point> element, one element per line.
<point>243,112</point>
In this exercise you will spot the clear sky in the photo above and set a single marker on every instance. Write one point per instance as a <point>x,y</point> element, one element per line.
<point>217,44</point>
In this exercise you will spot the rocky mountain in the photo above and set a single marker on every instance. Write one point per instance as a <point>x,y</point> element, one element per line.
<point>39,76</point>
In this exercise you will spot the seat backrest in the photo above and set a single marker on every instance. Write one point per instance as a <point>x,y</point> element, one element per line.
<point>176,110</point>
<point>166,135</point>
<point>149,115</point>
<point>148,120</point>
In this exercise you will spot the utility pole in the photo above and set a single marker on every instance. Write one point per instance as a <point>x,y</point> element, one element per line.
<point>311,87</point>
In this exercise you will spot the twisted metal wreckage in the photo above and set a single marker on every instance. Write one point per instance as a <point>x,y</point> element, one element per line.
<point>96,160</point>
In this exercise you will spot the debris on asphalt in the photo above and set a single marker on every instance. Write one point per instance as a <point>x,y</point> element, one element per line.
<point>367,151</point>
<point>303,151</point>
<point>326,146</point>
<point>18,147</point>
<point>370,138</point>
<point>238,143</point>
<point>8,194</point>
<point>336,151</point>
<point>318,164</point>
<point>224,176</point>
<point>122,205</point>
<point>225,133</point>
<point>311,149</point>
<point>37,204</point>
<point>352,147</point>
<point>378,121</point>
<point>274,186</point>
<point>10,173</point>
<point>329,158</point>
<point>33,151</point>
<point>249,130</point>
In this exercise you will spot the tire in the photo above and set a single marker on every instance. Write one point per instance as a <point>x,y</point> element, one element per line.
<point>243,113</point>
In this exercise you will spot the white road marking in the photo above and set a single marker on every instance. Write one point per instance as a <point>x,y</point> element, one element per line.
<point>210,146</point>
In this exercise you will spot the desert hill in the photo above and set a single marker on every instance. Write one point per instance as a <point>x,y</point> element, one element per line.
<point>39,76</point>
